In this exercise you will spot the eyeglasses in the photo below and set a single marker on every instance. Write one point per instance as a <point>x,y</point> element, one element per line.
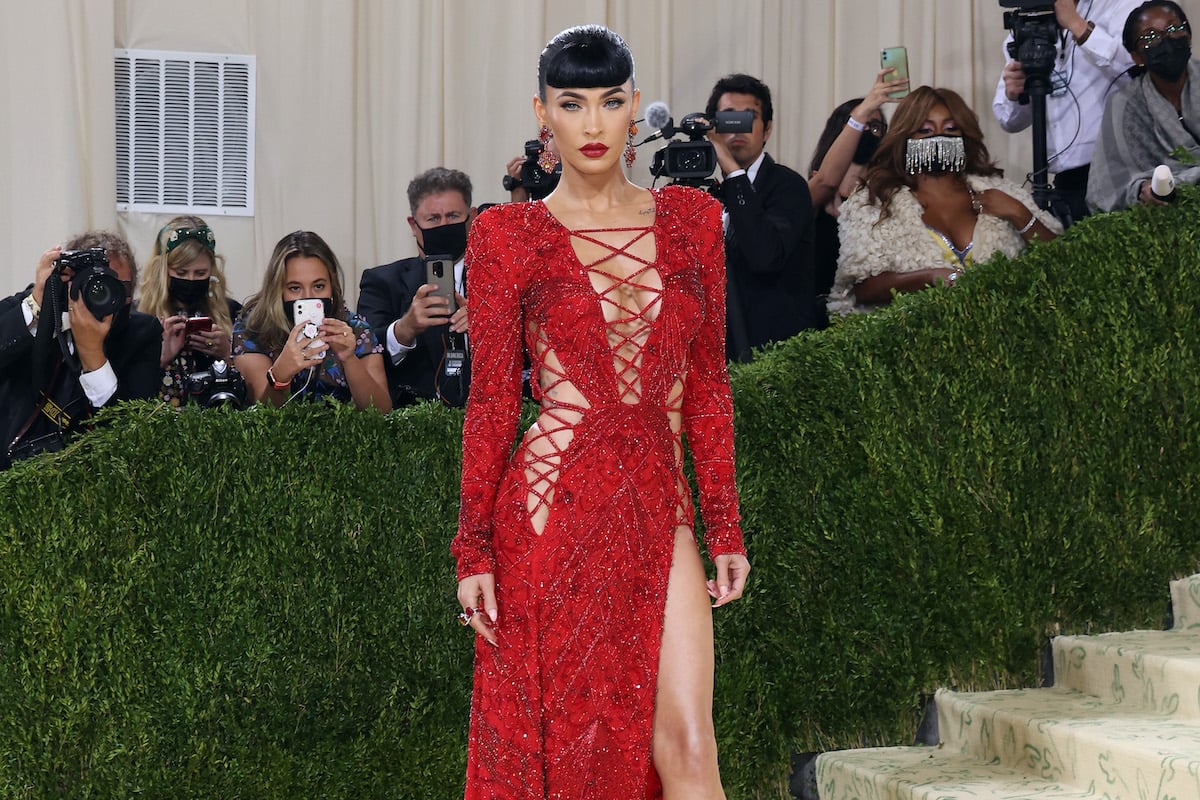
<point>1153,38</point>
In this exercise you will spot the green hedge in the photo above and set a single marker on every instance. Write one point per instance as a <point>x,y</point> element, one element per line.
<point>260,604</point>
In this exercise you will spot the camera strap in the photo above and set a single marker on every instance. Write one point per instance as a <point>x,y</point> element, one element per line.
<point>44,405</point>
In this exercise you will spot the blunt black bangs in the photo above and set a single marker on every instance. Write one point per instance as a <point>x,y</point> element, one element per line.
<point>587,57</point>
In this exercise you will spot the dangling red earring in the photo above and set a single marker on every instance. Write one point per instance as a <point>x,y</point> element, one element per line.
<point>630,153</point>
<point>548,159</point>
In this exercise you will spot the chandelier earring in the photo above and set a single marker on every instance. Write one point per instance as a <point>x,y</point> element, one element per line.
<point>630,153</point>
<point>548,159</point>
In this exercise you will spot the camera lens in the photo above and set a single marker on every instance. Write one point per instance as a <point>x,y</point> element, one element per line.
<point>103,294</point>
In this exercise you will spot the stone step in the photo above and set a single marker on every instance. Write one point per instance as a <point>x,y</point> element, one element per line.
<point>1185,603</point>
<point>1150,671</point>
<point>928,773</point>
<point>1063,736</point>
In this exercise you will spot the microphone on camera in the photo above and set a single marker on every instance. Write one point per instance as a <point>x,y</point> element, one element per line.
<point>1162,184</point>
<point>658,116</point>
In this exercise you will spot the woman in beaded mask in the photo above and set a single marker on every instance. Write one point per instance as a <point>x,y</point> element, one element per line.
<point>578,566</point>
<point>185,280</point>
<point>931,205</point>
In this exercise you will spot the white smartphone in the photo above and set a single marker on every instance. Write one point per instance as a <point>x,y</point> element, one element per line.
<point>896,59</point>
<point>311,312</point>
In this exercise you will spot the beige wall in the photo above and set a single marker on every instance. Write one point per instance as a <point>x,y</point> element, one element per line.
<point>357,96</point>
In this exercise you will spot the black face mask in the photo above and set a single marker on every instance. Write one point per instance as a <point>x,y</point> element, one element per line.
<point>187,293</point>
<point>868,143</point>
<point>448,240</point>
<point>1169,58</point>
<point>289,308</point>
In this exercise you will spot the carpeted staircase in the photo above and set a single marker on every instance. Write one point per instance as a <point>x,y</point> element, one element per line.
<point>1121,721</point>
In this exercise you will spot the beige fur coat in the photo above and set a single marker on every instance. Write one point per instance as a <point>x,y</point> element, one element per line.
<point>903,243</point>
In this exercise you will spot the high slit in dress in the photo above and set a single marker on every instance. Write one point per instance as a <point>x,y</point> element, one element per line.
<point>578,522</point>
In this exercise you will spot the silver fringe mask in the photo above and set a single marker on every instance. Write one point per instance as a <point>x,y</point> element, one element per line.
<point>935,154</point>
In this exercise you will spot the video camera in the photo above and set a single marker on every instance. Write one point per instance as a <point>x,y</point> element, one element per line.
<point>694,160</point>
<point>92,279</point>
<point>219,385</point>
<point>1035,38</point>
<point>537,181</point>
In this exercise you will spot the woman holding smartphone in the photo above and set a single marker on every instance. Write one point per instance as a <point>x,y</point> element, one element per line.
<point>184,286</point>
<point>297,339</point>
<point>579,572</point>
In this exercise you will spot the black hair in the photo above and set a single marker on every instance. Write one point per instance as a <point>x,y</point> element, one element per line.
<point>584,57</point>
<point>833,128</point>
<point>740,83</point>
<point>1129,34</point>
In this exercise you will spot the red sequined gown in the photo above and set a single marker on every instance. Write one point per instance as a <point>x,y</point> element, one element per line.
<point>578,524</point>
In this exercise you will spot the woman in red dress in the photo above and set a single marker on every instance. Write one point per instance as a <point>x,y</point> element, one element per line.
<point>577,562</point>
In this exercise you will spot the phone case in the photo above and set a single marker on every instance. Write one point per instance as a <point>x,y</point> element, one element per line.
<point>441,272</point>
<point>198,325</point>
<point>895,58</point>
<point>309,309</point>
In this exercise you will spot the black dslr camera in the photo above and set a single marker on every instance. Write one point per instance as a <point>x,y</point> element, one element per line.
<point>537,181</point>
<point>219,385</point>
<point>1035,38</point>
<point>92,279</point>
<point>692,161</point>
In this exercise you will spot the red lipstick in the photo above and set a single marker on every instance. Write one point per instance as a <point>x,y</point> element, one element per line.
<point>594,149</point>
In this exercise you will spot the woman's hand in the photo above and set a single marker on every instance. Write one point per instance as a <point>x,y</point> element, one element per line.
<point>878,95</point>
<point>299,353</point>
<point>732,570</point>
<point>213,343</point>
<point>172,339</point>
<point>477,596</point>
<point>341,338</point>
<point>1003,205</point>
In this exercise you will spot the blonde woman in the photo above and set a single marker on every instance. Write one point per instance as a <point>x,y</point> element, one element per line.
<point>184,286</point>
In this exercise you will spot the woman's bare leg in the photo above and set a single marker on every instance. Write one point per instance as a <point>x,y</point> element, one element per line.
<point>685,745</point>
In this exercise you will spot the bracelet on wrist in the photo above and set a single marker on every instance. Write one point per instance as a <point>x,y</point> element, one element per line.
<point>34,307</point>
<point>1028,225</point>
<point>855,124</point>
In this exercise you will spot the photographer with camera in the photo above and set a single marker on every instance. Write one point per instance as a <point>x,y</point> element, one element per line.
<point>426,342</point>
<point>1087,65</point>
<point>768,226</point>
<point>70,344</point>
<point>532,176</point>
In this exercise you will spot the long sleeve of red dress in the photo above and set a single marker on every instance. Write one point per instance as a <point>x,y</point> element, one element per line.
<point>708,403</point>
<point>494,404</point>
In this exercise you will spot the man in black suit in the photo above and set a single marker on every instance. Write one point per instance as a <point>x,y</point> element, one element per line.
<point>427,356</point>
<point>51,382</point>
<point>768,227</point>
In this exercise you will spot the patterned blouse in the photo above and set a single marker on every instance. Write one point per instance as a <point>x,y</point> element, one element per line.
<point>330,379</point>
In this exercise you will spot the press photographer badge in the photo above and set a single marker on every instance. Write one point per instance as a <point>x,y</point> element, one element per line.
<point>455,359</point>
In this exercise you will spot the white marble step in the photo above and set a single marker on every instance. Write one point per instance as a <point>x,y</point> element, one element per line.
<point>1150,671</point>
<point>1063,736</point>
<point>928,773</point>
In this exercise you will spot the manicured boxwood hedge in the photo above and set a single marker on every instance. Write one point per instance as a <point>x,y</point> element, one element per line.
<point>260,604</point>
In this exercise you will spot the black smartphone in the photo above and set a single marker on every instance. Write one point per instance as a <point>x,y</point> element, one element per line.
<point>439,270</point>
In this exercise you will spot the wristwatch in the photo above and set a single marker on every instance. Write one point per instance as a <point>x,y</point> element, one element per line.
<point>278,385</point>
<point>511,183</point>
